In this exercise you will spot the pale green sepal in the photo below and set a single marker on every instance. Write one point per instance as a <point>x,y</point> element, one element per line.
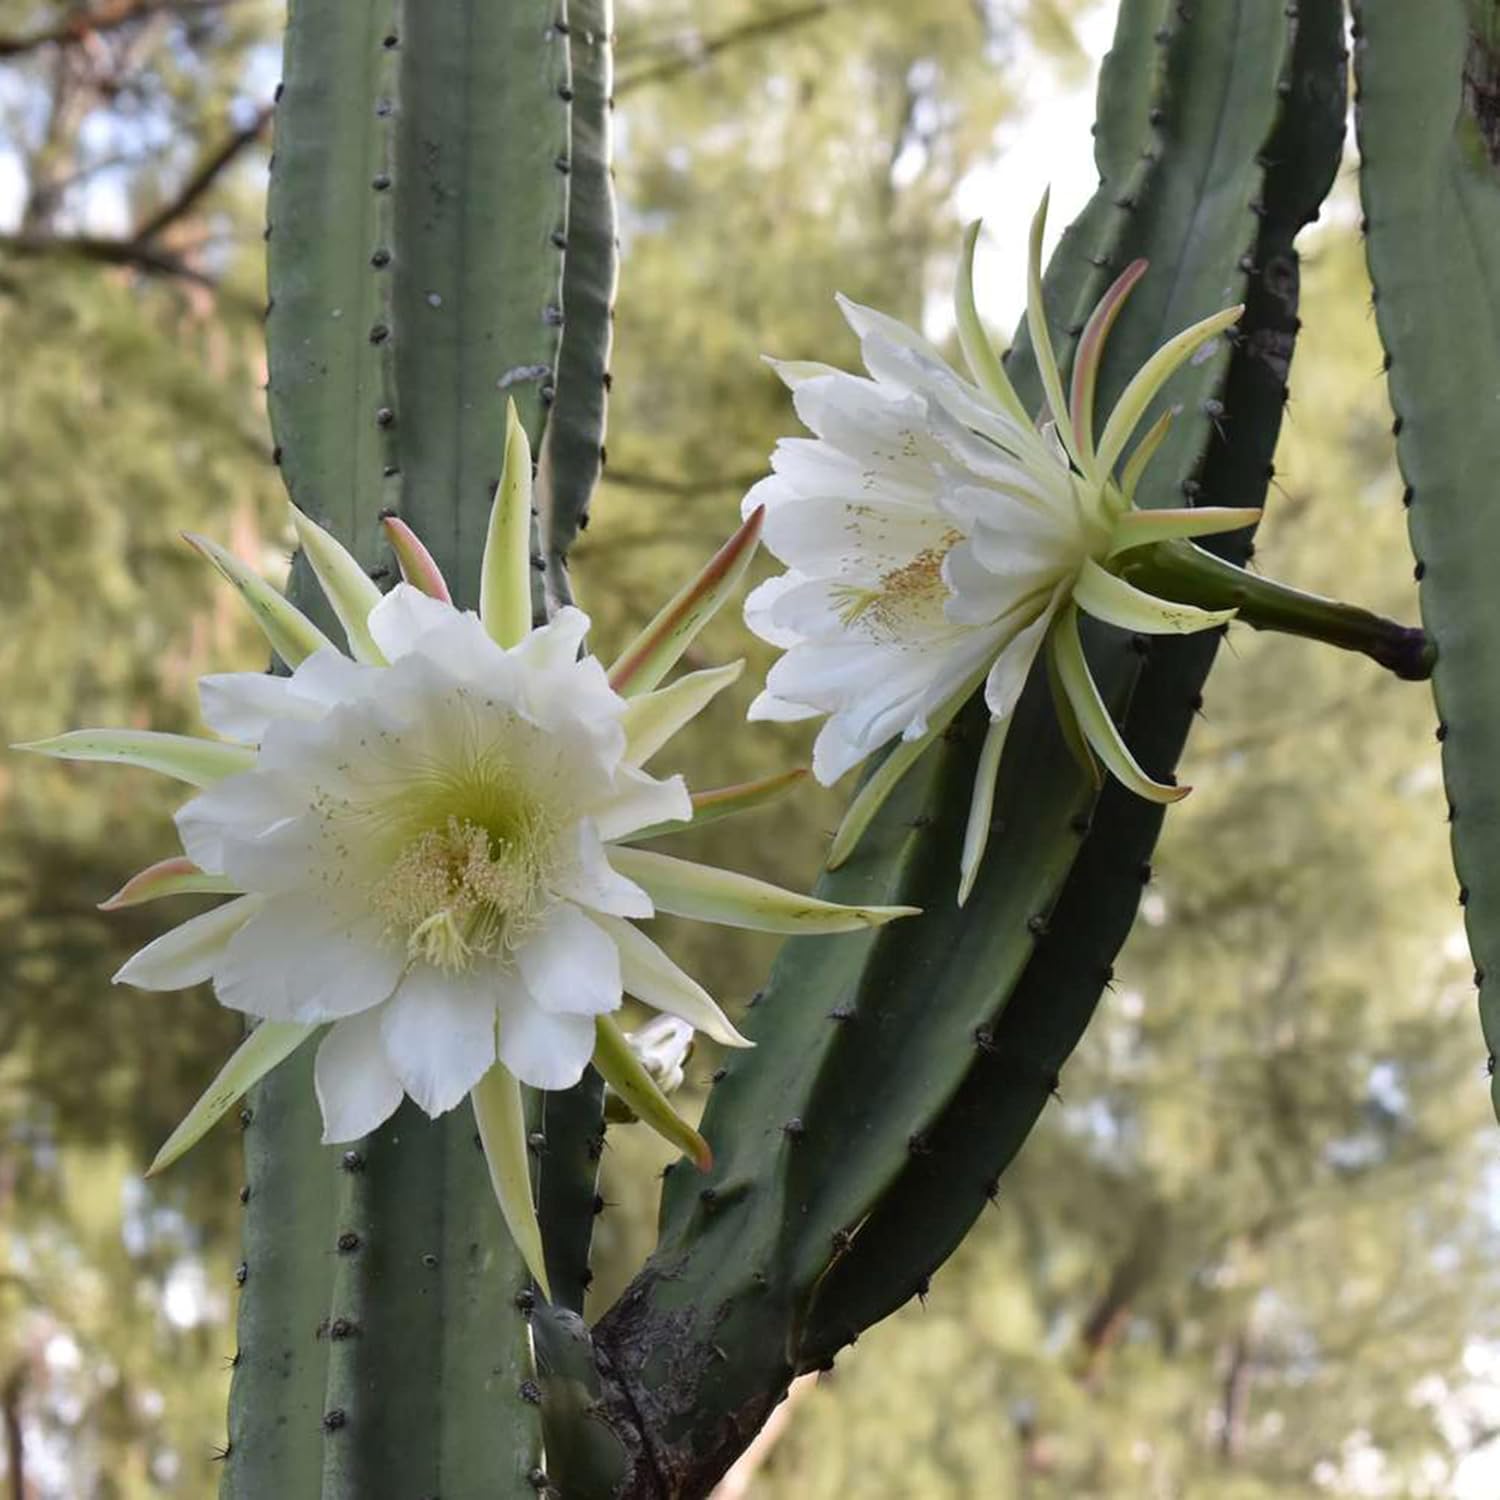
<point>1116,602</point>
<point>882,780</point>
<point>270,1043</point>
<point>1144,451</point>
<point>709,895</point>
<point>981,806</point>
<point>1067,722</point>
<point>1140,528</point>
<point>292,635</point>
<point>652,977</point>
<point>622,1070</point>
<point>1041,340</point>
<point>347,586</point>
<point>501,1118</point>
<point>1151,377</point>
<point>653,718</point>
<point>418,567</point>
<point>1089,354</point>
<point>727,802</point>
<point>984,363</point>
<point>1093,717</point>
<point>177,876</point>
<point>656,650</point>
<point>197,762</point>
<point>505,575</point>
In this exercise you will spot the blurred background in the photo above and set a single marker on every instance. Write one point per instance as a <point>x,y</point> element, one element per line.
<point>1253,1248</point>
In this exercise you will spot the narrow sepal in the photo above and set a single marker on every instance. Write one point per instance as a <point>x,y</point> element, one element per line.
<point>177,876</point>
<point>984,362</point>
<point>1142,454</point>
<point>269,1044</point>
<point>292,635</point>
<point>1109,598</point>
<point>654,979</point>
<point>1093,717</point>
<point>651,719</point>
<point>418,567</point>
<point>505,577</point>
<point>981,806</point>
<point>657,649</point>
<point>623,1071</point>
<point>183,756</point>
<point>706,894</point>
<point>1151,377</point>
<point>345,584</point>
<point>1090,351</point>
<point>501,1118</point>
<point>1041,337</point>
<point>1140,528</point>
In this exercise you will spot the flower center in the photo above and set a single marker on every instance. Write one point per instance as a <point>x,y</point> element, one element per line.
<point>465,889</point>
<point>912,595</point>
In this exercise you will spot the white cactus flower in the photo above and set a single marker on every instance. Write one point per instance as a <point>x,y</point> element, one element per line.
<point>426,846</point>
<point>938,539</point>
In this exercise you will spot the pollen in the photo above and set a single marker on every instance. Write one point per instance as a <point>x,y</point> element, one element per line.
<point>461,890</point>
<point>912,594</point>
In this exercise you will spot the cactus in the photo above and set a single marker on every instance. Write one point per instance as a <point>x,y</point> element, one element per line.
<point>1430,141</point>
<point>418,216</point>
<point>442,235</point>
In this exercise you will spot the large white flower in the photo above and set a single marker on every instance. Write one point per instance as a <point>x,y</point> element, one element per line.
<point>425,842</point>
<point>937,538</point>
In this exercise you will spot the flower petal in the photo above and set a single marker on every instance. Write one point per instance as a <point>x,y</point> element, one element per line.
<point>357,1088</point>
<point>184,756</point>
<point>505,572</point>
<point>637,800</point>
<point>346,585</point>
<point>188,954</point>
<point>1116,602</point>
<point>269,1044</point>
<point>501,1118</point>
<point>403,617</point>
<point>570,966</point>
<point>543,1050</point>
<point>439,1033</point>
<point>240,705</point>
<point>590,880</point>
<point>710,895</point>
<point>300,959</point>
<point>652,977</point>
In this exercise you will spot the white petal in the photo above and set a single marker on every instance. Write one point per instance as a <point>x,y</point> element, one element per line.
<point>238,808</point>
<point>637,800</point>
<point>591,881</point>
<point>1012,667</point>
<point>543,1050</point>
<point>555,644</point>
<point>854,533</point>
<point>403,617</point>
<point>357,1088</point>
<point>834,753</point>
<point>239,705</point>
<point>766,706</point>
<point>439,1033</point>
<point>188,954</point>
<point>980,596</point>
<point>299,959</point>
<point>570,966</point>
<point>760,609</point>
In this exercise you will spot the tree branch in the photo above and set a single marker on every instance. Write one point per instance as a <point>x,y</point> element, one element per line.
<point>110,252</point>
<point>692,50</point>
<point>108,17</point>
<point>204,177</point>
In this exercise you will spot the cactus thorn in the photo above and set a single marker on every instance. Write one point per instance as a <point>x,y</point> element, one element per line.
<point>525,1301</point>
<point>1037,925</point>
<point>718,1075</point>
<point>245,1193</point>
<point>536,1143</point>
<point>348,1242</point>
<point>530,1392</point>
<point>429,1260</point>
<point>334,1419</point>
<point>841,1013</point>
<point>352,1161</point>
<point>241,1273</point>
<point>794,1129</point>
<point>918,1144</point>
